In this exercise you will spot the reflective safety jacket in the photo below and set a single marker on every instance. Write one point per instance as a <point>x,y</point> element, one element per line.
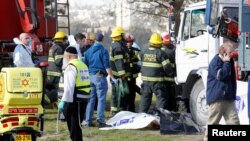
<point>170,51</point>
<point>82,86</point>
<point>156,66</point>
<point>119,59</point>
<point>134,59</point>
<point>56,59</point>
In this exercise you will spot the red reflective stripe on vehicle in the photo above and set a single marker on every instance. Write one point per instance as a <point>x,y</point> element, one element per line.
<point>14,123</point>
<point>23,110</point>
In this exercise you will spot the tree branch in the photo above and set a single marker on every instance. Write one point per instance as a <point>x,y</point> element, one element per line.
<point>148,12</point>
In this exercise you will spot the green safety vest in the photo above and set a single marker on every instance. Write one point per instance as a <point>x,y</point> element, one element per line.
<point>82,87</point>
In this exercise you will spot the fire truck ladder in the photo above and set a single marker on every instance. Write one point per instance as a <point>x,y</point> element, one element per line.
<point>63,23</point>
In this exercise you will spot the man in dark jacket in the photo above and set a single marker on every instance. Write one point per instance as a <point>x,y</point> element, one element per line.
<point>169,48</point>
<point>156,70</point>
<point>55,60</point>
<point>221,88</point>
<point>120,66</point>
<point>129,100</point>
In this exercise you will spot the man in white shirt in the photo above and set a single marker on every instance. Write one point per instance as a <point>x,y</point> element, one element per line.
<point>79,42</point>
<point>76,93</point>
<point>22,56</point>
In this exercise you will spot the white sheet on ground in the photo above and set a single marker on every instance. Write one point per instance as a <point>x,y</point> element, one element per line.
<point>130,120</point>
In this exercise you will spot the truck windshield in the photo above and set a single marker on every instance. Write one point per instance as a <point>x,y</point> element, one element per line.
<point>198,26</point>
<point>194,24</point>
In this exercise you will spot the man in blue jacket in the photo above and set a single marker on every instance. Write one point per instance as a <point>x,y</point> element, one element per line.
<point>221,88</point>
<point>97,60</point>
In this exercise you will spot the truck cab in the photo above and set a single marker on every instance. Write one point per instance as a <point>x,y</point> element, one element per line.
<point>194,50</point>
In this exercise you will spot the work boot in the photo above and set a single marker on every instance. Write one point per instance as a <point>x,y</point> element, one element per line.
<point>90,125</point>
<point>102,124</point>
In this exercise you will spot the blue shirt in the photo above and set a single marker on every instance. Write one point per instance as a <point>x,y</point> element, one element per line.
<point>97,58</point>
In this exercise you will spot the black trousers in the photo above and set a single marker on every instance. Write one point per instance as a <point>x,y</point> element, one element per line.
<point>128,101</point>
<point>74,116</point>
<point>147,90</point>
<point>52,85</point>
<point>171,105</point>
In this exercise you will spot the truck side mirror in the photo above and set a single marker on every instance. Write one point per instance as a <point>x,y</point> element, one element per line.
<point>210,29</point>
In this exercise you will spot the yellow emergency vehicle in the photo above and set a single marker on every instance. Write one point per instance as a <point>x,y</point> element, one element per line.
<point>21,92</point>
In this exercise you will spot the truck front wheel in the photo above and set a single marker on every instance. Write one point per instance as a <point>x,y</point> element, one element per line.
<point>198,106</point>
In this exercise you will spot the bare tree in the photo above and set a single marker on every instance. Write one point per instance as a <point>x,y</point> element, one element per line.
<point>160,8</point>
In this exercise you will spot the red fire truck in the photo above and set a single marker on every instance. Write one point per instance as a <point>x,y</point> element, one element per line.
<point>40,18</point>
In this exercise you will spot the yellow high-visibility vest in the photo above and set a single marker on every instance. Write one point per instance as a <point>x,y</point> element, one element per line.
<point>82,88</point>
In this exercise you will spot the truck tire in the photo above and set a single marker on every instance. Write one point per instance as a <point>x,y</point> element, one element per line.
<point>198,106</point>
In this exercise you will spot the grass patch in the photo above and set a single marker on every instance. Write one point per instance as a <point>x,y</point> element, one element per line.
<point>94,134</point>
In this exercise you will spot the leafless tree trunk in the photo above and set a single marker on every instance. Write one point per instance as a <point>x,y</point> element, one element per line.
<point>159,8</point>
<point>177,6</point>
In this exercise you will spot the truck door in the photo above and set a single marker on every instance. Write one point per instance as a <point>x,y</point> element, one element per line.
<point>192,43</point>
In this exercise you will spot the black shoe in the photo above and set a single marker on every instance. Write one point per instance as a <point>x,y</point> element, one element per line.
<point>90,125</point>
<point>101,125</point>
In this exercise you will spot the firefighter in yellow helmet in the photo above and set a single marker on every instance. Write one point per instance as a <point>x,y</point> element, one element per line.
<point>119,62</point>
<point>55,59</point>
<point>156,70</point>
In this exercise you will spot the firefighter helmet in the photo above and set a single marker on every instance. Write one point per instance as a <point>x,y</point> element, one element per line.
<point>117,31</point>
<point>117,38</point>
<point>155,39</point>
<point>91,36</point>
<point>121,29</point>
<point>60,36</point>
<point>129,38</point>
<point>166,39</point>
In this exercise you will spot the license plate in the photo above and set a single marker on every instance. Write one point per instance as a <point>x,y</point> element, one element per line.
<point>23,138</point>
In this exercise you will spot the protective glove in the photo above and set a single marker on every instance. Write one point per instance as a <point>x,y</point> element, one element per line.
<point>61,106</point>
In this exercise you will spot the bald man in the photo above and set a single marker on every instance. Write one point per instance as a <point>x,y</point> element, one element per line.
<point>22,56</point>
<point>221,88</point>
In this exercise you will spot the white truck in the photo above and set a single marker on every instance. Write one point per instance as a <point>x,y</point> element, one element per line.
<point>195,48</point>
